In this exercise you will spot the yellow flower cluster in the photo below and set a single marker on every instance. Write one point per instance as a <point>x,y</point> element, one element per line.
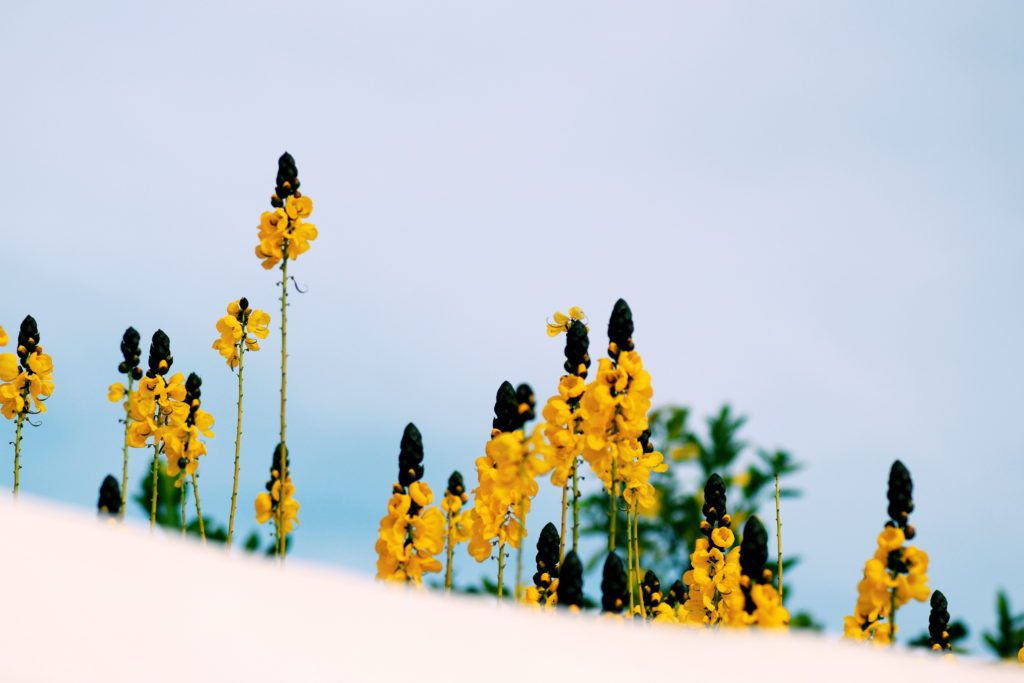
<point>615,407</point>
<point>451,504</point>
<point>181,439</point>
<point>239,331</point>
<point>156,403</point>
<point>507,475</point>
<point>412,533</point>
<point>278,501</point>
<point>563,418</point>
<point>892,578</point>
<point>895,575</point>
<point>283,232</point>
<point>26,375</point>
<point>714,595</point>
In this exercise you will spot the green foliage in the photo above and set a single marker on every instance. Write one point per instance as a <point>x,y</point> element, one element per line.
<point>168,513</point>
<point>1009,635</point>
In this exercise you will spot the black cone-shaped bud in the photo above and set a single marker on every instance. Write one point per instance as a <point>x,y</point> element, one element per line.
<point>645,441</point>
<point>243,305</point>
<point>287,176</point>
<point>159,350</point>
<point>525,404</point>
<point>547,557</point>
<point>275,464</point>
<point>110,496</point>
<point>651,588</point>
<point>901,490</point>
<point>613,584</point>
<point>620,329</point>
<point>577,346</point>
<point>192,384</point>
<point>570,581</point>
<point>455,485</point>
<point>28,338</point>
<point>754,550</point>
<point>938,621</point>
<point>130,351</point>
<point>410,456</point>
<point>506,409</point>
<point>676,594</point>
<point>714,500</point>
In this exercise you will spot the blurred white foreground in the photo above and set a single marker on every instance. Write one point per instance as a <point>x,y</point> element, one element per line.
<point>78,595</point>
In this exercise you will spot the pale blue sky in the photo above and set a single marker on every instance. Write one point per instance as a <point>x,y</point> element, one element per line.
<point>813,209</point>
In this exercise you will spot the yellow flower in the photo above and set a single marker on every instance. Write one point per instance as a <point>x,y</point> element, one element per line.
<point>9,368</point>
<point>723,537</point>
<point>1020,655</point>
<point>115,392</point>
<point>264,508</point>
<point>3,337</point>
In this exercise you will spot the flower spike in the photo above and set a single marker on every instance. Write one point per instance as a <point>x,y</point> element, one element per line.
<point>570,582</point>
<point>613,584</point>
<point>110,496</point>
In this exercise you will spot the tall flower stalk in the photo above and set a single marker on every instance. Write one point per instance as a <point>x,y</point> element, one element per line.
<point>283,236</point>
<point>762,603</point>
<point>239,331</point>
<point>895,575</point>
<point>412,532</point>
<point>507,478</point>
<point>455,531</point>
<point>714,596</point>
<point>563,417</point>
<point>129,366</point>
<point>278,501</point>
<point>184,447</point>
<point>27,381</point>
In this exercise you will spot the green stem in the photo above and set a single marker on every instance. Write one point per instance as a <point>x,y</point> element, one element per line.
<point>565,507</point>
<point>613,500</point>
<point>238,441</point>
<point>636,556</point>
<point>199,507</point>
<point>17,450</point>
<point>127,423</point>
<point>575,504</point>
<point>281,541</point>
<point>184,496</point>
<point>501,569</point>
<point>778,534</point>
<point>450,550</point>
<point>892,615</point>
<point>156,478</point>
<point>631,577</point>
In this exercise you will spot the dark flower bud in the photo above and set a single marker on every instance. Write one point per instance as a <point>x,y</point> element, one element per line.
<point>506,409</point>
<point>192,385</point>
<point>136,373</point>
<point>455,485</point>
<point>122,367</point>
<point>287,178</point>
<point>182,462</point>
<point>714,499</point>
<point>645,441</point>
<point>613,584</point>
<point>159,350</point>
<point>525,404</point>
<point>754,550</point>
<point>110,496</point>
<point>547,557</point>
<point>410,456</point>
<point>570,581</point>
<point>620,329</point>
<point>275,464</point>
<point>938,622</point>
<point>900,494</point>
<point>28,337</point>
<point>651,588</point>
<point>676,594</point>
<point>130,351</point>
<point>577,344</point>
<point>243,304</point>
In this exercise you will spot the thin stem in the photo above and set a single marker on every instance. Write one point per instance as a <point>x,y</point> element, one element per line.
<point>778,534</point>
<point>281,541</point>
<point>127,423</point>
<point>17,450</point>
<point>199,507</point>
<point>238,440</point>
<point>565,507</point>
<point>575,504</point>
<point>184,496</point>
<point>636,555</point>
<point>448,562</point>
<point>892,615</point>
<point>613,500</point>
<point>501,569</point>
<point>156,478</point>
<point>630,572</point>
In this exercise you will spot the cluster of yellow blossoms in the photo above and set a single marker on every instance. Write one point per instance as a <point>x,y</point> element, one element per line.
<point>507,475</point>
<point>283,232</point>
<point>615,409</point>
<point>27,376</point>
<point>412,533</point>
<point>239,331</point>
<point>182,444</point>
<point>278,501</point>
<point>456,521</point>
<point>562,415</point>
<point>895,575</point>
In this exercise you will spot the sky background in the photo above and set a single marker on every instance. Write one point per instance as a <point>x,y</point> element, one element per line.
<point>813,210</point>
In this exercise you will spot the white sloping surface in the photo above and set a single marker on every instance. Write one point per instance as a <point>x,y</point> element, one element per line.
<point>75,591</point>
